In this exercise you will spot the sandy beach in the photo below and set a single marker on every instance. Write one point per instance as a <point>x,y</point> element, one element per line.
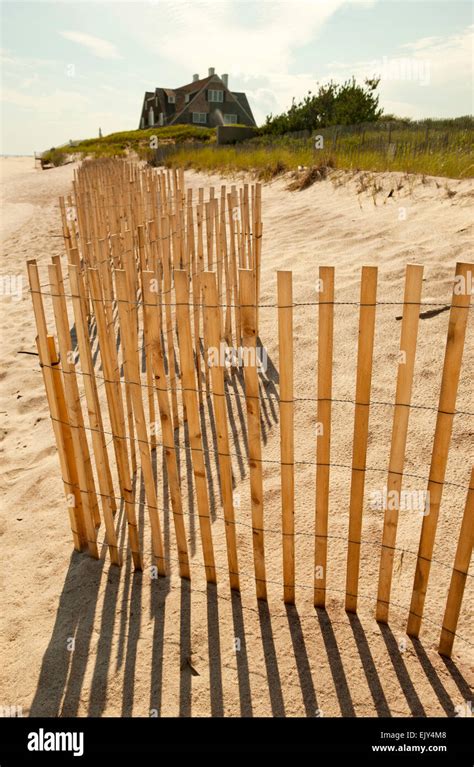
<point>82,638</point>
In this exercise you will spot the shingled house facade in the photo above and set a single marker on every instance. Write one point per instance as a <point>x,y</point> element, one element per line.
<point>206,101</point>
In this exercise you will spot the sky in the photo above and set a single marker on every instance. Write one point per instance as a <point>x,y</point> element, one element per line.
<point>69,68</point>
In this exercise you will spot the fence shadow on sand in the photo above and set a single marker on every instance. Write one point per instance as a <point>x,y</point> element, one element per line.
<point>121,667</point>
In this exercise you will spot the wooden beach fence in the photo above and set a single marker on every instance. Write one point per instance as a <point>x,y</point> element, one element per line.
<point>159,287</point>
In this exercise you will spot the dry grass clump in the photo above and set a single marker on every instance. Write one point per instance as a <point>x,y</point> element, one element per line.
<point>271,170</point>
<point>306,178</point>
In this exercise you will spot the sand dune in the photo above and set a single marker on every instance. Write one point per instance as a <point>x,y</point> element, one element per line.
<point>142,646</point>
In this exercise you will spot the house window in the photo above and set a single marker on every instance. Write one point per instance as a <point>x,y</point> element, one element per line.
<point>171,99</point>
<point>151,116</point>
<point>230,119</point>
<point>199,117</point>
<point>213,95</point>
<point>187,97</point>
<point>161,119</point>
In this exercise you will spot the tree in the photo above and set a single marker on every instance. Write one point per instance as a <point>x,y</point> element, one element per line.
<point>334,104</point>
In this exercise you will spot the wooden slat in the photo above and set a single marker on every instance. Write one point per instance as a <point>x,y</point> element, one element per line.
<point>169,319</point>
<point>71,390</point>
<point>65,446</point>
<point>161,385</point>
<point>252,399</point>
<point>213,338</point>
<point>195,288</point>
<point>246,226</point>
<point>194,425</point>
<point>459,574</point>
<point>199,270</point>
<point>75,413</point>
<point>233,269</point>
<point>406,366</point>
<point>147,350</point>
<point>130,420</point>
<point>241,230</point>
<point>287,452</point>
<point>258,233</point>
<point>323,440</point>
<point>209,213</point>
<point>110,366</point>
<point>227,325</point>
<point>77,513</point>
<point>444,424</point>
<point>368,296</point>
<point>219,262</point>
<point>130,354</point>
<point>95,419</point>
<point>106,278</point>
<point>66,232</point>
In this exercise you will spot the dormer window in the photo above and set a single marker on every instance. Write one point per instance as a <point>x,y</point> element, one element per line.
<point>215,95</point>
<point>171,98</point>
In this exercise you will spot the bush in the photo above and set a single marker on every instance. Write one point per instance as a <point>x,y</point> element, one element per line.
<point>333,104</point>
<point>54,157</point>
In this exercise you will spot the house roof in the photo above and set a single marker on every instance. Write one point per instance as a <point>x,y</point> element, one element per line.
<point>195,85</point>
<point>243,101</point>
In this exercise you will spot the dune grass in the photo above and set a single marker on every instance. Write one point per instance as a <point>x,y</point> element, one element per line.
<point>121,144</point>
<point>444,150</point>
<point>267,163</point>
<point>435,148</point>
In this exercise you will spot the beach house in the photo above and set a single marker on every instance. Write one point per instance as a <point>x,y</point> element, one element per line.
<point>204,101</point>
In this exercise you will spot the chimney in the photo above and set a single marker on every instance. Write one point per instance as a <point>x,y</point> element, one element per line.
<point>195,78</point>
<point>211,71</point>
<point>225,80</point>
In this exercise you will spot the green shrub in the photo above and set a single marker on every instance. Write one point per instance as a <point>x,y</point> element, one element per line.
<point>334,104</point>
<point>54,157</point>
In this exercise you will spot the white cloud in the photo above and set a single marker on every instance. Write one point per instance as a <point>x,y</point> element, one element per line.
<point>256,44</point>
<point>419,45</point>
<point>16,64</point>
<point>275,92</point>
<point>101,48</point>
<point>426,77</point>
<point>450,57</point>
<point>404,109</point>
<point>57,101</point>
<point>241,38</point>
